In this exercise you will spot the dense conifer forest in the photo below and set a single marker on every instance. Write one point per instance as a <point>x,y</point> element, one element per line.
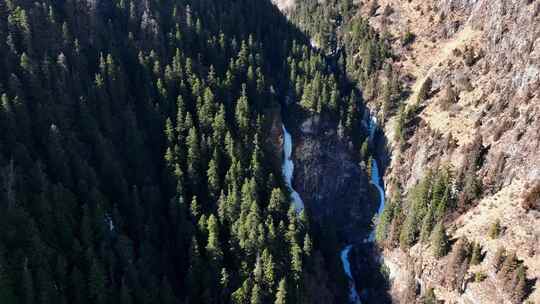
<point>134,156</point>
<point>138,163</point>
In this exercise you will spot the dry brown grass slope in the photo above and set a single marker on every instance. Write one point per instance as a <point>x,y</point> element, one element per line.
<point>499,101</point>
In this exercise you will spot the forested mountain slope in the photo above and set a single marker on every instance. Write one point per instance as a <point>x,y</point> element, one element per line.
<point>135,159</point>
<point>472,118</point>
<point>459,100</point>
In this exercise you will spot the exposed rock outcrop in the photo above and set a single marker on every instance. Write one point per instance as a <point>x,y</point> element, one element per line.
<point>488,52</point>
<point>284,5</point>
<point>331,181</point>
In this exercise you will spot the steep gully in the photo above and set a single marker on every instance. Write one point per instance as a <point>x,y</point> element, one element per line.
<point>288,171</point>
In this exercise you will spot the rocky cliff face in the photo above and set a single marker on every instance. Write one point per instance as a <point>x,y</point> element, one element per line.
<point>284,5</point>
<point>333,185</point>
<point>480,116</point>
<point>488,53</point>
<point>330,181</point>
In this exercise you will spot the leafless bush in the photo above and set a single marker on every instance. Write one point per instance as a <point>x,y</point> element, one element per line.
<point>505,126</point>
<point>388,10</point>
<point>469,56</point>
<point>449,98</point>
<point>536,9</point>
<point>531,198</point>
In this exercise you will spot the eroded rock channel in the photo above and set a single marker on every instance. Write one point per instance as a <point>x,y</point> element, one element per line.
<point>321,171</point>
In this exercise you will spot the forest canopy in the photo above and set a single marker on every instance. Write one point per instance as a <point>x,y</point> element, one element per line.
<point>134,156</point>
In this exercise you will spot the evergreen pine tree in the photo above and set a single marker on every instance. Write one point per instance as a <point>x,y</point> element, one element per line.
<point>213,247</point>
<point>224,282</point>
<point>476,256</point>
<point>521,286</point>
<point>97,283</point>
<point>269,269</point>
<point>194,157</point>
<point>256,294</point>
<point>28,284</point>
<point>364,150</point>
<point>429,297</point>
<point>509,265</point>
<point>495,229</point>
<point>498,258</point>
<point>308,246</point>
<point>242,113</point>
<point>166,293</point>
<point>7,293</point>
<point>281,293</point>
<point>439,241</point>
<point>427,225</point>
<point>125,293</point>
<point>423,94</point>
<point>213,179</point>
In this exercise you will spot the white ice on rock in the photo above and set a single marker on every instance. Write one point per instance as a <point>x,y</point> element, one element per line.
<point>375,177</point>
<point>109,222</point>
<point>377,182</point>
<point>288,169</point>
<point>354,298</point>
<point>372,127</point>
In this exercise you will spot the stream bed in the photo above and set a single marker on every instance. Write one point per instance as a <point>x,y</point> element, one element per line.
<point>287,169</point>
<point>288,173</point>
<point>377,182</point>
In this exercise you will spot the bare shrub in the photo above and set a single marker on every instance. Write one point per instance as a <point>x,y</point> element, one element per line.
<point>388,10</point>
<point>449,98</point>
<point>531,198</point>
<point>505,126</point>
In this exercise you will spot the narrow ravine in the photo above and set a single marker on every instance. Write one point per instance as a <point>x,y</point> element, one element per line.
<point>375,175</point>
<point>377,182</point>
<point>288,172</point>
<point>287,169</point>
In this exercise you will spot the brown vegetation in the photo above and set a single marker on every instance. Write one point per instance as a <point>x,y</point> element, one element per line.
<point>513,278</point>
<point>459,263</point>
<point>531,199</point>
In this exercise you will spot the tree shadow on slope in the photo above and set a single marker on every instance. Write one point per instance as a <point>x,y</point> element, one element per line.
<point>372,277</point>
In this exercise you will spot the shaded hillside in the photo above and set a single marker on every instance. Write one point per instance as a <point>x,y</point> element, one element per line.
<point>135,166</point>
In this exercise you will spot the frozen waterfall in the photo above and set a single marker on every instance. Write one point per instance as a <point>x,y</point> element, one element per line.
<point>288,169</point>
